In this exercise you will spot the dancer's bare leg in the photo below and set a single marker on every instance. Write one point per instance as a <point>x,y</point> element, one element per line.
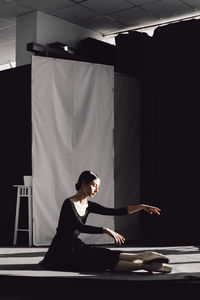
<point>135,265</point>
<point>132,262</point>
<point>144,256</point>
<point>129,266</point>
<point>129,256</point>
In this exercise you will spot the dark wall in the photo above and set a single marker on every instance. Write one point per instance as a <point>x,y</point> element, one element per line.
<point>175,95</point>
<point>15,132</point>
<point>167,65</point>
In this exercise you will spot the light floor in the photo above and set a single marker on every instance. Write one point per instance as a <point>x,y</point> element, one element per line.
<point>185,262</point>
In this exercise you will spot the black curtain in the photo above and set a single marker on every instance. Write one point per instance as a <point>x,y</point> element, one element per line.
<point>167,66</point>
<point>15,150</point>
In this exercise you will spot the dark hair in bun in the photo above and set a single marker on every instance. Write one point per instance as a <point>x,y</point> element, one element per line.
<point>86,176</point>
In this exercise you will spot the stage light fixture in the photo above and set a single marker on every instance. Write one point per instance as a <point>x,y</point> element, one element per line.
<point>66,48</point>
<point>61,46</point>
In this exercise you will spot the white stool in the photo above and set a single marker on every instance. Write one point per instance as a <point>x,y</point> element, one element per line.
<point>23,191</point>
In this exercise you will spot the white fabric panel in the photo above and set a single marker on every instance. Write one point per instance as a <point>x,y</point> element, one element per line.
<point>72,121</point>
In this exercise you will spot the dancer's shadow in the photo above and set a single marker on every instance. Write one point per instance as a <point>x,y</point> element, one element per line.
<point>23,254</point>
<point>19,267</point>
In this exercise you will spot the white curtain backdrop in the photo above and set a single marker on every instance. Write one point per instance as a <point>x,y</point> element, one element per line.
<point>72,123</point>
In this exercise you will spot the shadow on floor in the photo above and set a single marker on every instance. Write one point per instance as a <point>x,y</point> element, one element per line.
<point>23,254</point>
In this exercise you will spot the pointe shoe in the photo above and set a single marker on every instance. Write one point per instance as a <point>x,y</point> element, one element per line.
<point>150,257</point>
<point>157,267</point>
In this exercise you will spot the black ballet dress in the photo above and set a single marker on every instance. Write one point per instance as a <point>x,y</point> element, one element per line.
<point>68,252</point>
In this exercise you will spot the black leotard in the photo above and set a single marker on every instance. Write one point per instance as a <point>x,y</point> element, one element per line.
<point>68,252</point>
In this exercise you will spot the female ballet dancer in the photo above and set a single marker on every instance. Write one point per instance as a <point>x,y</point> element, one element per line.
<point>69,253</point>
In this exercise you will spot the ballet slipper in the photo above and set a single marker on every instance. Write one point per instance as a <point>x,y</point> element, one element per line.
<point>155,258</point>
<point>157,267</point>
<point>150,257</point>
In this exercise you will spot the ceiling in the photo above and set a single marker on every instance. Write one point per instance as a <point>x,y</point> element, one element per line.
<point>104,16</point>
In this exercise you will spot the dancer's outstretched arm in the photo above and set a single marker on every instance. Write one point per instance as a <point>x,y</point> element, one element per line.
<point>148,208</point>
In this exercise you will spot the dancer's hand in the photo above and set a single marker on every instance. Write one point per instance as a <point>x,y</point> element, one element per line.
<point>151,209</point>
<point>119,239</point>
<point>148,208</point>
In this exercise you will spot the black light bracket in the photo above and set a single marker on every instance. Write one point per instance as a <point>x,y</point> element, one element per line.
<point>49,51</point>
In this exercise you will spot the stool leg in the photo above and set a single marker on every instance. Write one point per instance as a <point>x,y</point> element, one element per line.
<point>16,217</point>
<point>30,219</point>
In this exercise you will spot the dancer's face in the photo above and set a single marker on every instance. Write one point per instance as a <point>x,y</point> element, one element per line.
<point>90,189</point>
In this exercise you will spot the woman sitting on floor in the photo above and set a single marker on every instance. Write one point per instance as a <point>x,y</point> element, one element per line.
<point>68,253</point>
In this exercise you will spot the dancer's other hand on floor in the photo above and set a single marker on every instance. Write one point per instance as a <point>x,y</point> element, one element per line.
<point>119,239</point>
